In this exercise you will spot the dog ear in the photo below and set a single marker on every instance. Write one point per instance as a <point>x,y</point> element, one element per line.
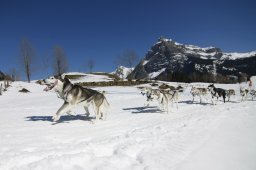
<point>63,76</point>
<point>58,77</point>
<point>66,80</point>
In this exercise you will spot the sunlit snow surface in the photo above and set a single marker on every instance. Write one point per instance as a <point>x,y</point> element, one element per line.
<point>194,136</point>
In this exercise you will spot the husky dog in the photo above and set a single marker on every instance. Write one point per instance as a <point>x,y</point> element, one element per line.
<point>154,94</point>
<point>162,95</point>
<point>74,95</point>
<point>167,95</point>
<point>171,96</point>
<point>198,92</point>
<point>253,93</point>
<point>217,92</point>
<point>243,92</point>
<point>151,94</point>
<point>230,92</point>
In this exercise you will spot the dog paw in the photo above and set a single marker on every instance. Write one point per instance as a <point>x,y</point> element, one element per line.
<point>55,118</point>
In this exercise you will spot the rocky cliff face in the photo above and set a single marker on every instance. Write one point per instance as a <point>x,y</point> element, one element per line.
<point>172,61</point>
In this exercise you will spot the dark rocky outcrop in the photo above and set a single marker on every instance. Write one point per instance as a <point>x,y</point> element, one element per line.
<point>170,61</point>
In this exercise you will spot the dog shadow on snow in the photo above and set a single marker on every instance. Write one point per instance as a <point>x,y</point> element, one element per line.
<point>195,102</point>
<point>149,109</point>
<point>63,119</point>
<point>205,103</point>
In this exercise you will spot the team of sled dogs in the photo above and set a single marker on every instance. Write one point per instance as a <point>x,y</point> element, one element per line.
<point>166,94</point>
<point>74,95</point>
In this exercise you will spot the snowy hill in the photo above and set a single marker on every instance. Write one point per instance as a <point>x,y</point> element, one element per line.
<point>195,136</point>
<point>122,72</point>
<point>169,60</point>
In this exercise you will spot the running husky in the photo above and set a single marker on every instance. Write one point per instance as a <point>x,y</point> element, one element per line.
<point>198,92</point>
<point>151,94</point>
<point>243,92</point>
<point>217,92</point>
<point>74,95</point>
<point>230,92</point>
<point>253,93</point>
<point>154,94</point>
<point>163,96</point>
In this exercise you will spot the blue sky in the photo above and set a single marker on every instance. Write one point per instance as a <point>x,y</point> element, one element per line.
<point>102,30</point>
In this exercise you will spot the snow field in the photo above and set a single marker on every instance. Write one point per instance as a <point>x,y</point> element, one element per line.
<point>132,137</point>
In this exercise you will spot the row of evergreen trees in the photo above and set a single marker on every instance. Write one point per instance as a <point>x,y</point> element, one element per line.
<point>201,77</point>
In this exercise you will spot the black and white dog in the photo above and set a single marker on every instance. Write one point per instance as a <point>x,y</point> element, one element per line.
<point>217,92</point>
<point>75,95</point>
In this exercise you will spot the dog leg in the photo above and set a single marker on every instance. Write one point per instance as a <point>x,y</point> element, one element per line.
<point>103,109</point>
<point>63,109</point>
<point>146,104</point>
<point>213,103</point>
<point>70,113</point>
<point>87,113</point>
<point>167,107</point>
<point>177,104</point>
<point>103,113</point>
<point>97,112</point>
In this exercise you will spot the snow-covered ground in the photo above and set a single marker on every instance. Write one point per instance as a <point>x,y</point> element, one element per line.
<point>196,136</point>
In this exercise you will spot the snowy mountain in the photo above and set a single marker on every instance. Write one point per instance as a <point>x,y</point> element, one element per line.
<point>169,60</point>
<point>122,72</point>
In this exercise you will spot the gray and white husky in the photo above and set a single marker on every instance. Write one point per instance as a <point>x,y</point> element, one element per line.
<point>75,95</point>
<point>229,93</point>
<point>243,92</point>
<point>253,93</point>
<point>195,91</point>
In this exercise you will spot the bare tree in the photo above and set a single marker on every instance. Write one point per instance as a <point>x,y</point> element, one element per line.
<point>27,57</point>
<point>60,64</point>
<point>90,65</point>
<point>14,74</point>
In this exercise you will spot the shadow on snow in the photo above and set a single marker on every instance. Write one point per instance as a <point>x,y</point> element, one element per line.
<point>150,109</point>
<point>63,119</point>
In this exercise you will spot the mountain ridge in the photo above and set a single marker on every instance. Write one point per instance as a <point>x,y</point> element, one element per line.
<point>171,61</point>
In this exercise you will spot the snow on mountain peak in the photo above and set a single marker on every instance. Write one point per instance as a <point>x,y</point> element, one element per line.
<point>122,71</point>
<point>235,55</point>
<point>167,57</point>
